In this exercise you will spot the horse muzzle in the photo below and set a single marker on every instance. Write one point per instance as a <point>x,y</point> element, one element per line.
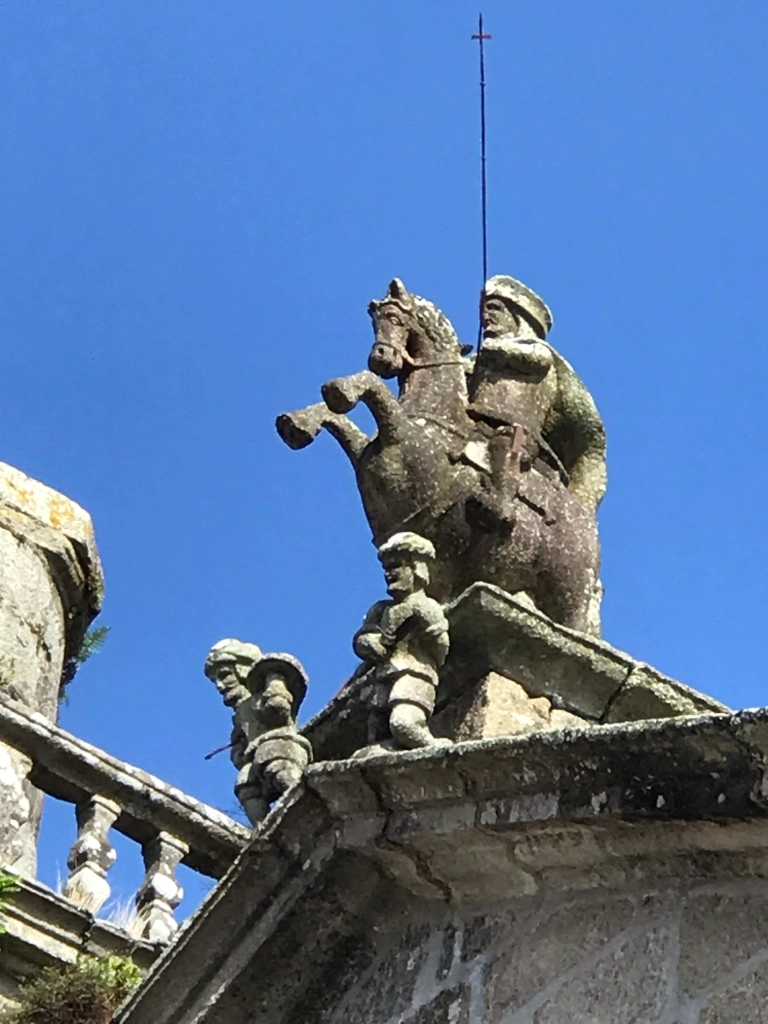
<point>385,360</point>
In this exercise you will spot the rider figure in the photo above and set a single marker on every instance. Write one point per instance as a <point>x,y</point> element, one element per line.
<point>530,407</point>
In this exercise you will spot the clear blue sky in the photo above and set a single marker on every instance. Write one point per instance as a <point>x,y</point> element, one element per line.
<point>198,201</point>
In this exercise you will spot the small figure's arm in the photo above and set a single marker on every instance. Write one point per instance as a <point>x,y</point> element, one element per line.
<point>369,642</point>
<point>432,626</point>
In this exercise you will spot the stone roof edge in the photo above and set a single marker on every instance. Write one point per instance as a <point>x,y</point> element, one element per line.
<point>712,768</point>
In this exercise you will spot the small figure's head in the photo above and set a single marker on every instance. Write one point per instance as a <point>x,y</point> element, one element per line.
<point>507,306</point>
<point>279,683</point>
<point>228,666</point>
<point>406,558</point>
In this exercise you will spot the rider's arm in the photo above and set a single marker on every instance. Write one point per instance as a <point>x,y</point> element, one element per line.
<point>577,435</point>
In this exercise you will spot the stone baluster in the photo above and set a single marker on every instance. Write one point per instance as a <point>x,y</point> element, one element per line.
<point>91,856</point>
<point>160,893</point>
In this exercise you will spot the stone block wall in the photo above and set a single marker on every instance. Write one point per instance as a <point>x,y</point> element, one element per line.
<point>694,954</point>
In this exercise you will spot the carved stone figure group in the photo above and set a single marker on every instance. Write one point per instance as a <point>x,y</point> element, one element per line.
<point>482,469</point>
<point>498,461</point>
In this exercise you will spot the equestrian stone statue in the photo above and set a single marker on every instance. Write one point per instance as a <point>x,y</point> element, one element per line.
<point>500,464</point>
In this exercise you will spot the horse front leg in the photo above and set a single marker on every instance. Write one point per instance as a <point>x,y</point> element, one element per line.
<point>343,394</point>
<point>300,428</point>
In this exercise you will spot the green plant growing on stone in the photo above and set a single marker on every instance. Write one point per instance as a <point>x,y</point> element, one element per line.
<point>8,884</point>
<point>91,644</point>
<point>86,992</point>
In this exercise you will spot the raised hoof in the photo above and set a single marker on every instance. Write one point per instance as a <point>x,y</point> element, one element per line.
<point>295,434</point>
<point>338,396</point>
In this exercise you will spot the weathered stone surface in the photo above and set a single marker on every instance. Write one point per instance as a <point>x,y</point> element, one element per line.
<point>451,1006</point>
<point>647,693</point>
<point>45,929</point>
<point>50,508</point>
<point>576,930</point>
<point>630,985</point>
<point>393,978</point>
<point>720,929</point>
<point>18,822</point>
<point>70,769</point>
<point>92,856</point>
<point>160,892</point>
<point>743,1001</point>
<point>494,631</point>
<point>581,678</point>
<point>52,582</point>
<point>32,625</point>
<point>497,706</point>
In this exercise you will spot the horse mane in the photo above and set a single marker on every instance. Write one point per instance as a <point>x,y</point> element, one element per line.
<point>434,323</point>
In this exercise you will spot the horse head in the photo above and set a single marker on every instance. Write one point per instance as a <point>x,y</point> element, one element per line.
<point>410,333</point>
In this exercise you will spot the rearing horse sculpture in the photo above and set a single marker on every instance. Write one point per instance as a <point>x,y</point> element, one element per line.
<point>484,486</point>
<point>409,474</point>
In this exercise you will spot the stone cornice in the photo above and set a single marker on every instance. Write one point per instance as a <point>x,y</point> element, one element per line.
<point>505,817</point>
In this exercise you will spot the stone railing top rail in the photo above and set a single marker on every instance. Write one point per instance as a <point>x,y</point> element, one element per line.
<point>70,769</point>
<point>493,631</point>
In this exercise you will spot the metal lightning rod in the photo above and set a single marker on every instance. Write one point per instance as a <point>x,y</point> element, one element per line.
<point>481,37</point>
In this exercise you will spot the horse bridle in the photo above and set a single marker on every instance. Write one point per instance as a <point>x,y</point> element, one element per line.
<point>412,363</point>
<point>426,366</point>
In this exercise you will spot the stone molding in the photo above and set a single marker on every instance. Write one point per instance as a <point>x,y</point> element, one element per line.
<point>493,631</point>
<point>44,929</point>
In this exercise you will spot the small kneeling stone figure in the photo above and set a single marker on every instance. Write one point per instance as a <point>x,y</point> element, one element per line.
<point>265,692</point>
<point>406,639</point>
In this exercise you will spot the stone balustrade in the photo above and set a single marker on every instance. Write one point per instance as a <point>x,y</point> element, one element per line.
<point>171,827</point>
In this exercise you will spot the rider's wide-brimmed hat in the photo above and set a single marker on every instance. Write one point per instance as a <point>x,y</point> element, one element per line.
<point>514,291</point>
<point>290,670</point>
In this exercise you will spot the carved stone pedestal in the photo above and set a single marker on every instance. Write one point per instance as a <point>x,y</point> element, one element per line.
<point>511,670</point>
